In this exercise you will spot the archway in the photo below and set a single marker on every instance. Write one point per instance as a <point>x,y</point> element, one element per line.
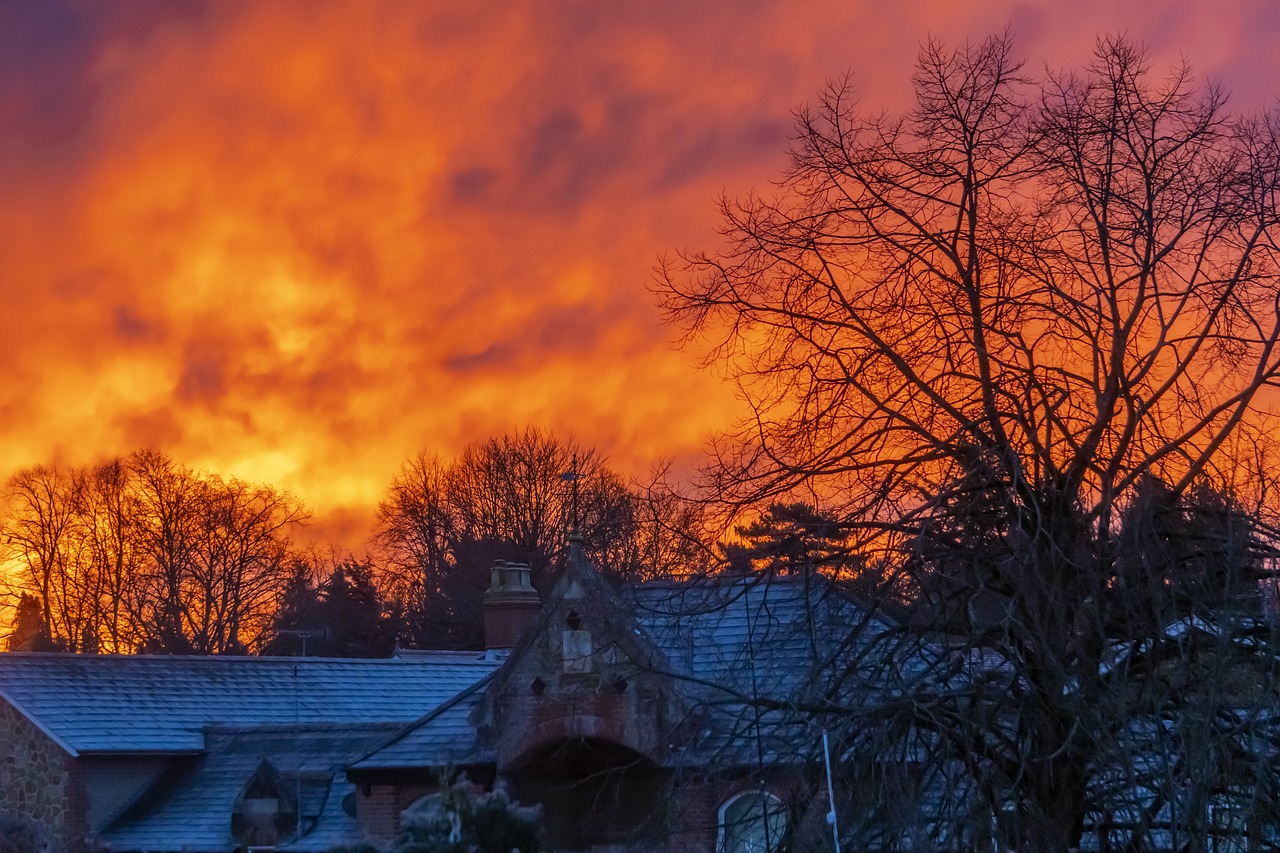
<point>593,792</point>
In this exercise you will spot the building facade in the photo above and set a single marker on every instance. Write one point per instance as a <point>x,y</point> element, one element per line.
<point>628,715</point>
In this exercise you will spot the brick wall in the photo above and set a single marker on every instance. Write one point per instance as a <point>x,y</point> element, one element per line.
<point>378,810</point>
<point>378,807</point>
<point>34,773</point>
<point>697,801</point>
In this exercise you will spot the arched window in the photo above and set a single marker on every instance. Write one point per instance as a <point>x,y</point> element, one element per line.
<point>751,822</point>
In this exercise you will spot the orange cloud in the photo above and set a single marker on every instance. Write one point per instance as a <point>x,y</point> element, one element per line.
<point>296,242</point>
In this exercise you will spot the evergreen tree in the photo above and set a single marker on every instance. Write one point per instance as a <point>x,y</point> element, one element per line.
<point>30,633</point>
<point>353,614</point>
<point>789,538</point>
<point>343,616</point>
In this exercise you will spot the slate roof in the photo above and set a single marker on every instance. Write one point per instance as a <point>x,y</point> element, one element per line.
<point>142,703</point>
<point>495,656</point>
<point>444,737</point>
<point>773,638</point>
<point>190,809</point>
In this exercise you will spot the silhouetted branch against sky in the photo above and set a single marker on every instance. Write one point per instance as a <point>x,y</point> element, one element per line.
<point>1018,337</point>
<point>295,242</point>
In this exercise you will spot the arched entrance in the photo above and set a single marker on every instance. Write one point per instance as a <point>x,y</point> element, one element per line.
<point>593,792</point>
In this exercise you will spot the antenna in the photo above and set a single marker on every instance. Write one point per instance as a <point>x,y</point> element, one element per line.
<point>831,791</point>
<point>304,635</point>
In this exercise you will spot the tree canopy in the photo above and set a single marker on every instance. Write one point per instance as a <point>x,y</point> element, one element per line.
<point>143,554</point>
<point>1020,338</point>
<point>515,497</point>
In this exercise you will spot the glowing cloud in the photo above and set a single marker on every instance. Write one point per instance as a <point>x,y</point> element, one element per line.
<point>295,242</point>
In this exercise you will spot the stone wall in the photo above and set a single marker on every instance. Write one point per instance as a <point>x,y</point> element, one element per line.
<point>33,773</point>
<point>582,677</point>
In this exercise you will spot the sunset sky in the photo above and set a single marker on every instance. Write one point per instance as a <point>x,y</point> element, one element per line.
<point>296,242</point>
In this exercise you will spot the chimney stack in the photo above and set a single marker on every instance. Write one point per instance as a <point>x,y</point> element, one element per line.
<point>511,605</point>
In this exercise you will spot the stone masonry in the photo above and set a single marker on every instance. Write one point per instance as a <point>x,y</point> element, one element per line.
<point>33,773</point>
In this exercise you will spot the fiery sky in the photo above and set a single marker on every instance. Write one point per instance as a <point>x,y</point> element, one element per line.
<point>296,242</point>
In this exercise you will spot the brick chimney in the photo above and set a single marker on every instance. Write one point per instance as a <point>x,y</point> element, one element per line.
<point>511,605</point>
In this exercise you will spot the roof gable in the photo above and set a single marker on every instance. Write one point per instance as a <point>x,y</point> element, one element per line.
<point>588,602</point>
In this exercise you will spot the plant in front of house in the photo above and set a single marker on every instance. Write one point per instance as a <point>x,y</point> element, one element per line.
<point>461,819</point>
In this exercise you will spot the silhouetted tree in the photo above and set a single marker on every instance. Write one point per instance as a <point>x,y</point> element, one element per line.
<point>792,537</point>
<point>30,633</point>
<point>514,498</point>
<point>142,553</point>
<point>299,617</point>
<point>343,616</point>
<point>354,614</point>
<point>983,331</point>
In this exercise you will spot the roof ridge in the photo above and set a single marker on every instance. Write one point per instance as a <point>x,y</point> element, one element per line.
<point>329,726</point>
<point>235,659</point>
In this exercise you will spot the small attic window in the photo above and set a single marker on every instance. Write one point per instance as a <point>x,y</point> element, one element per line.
<point>266,810</point>
<point>574,621</point>
<point>577,649</point>
<point>538,686</point>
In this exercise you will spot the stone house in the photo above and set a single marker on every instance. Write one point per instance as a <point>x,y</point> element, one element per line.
<point>161,753</point>
<point>626,713</point>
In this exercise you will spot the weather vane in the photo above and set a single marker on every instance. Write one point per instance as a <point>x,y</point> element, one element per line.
<point>571,476</point>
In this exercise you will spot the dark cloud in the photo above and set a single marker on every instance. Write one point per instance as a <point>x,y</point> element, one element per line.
<point>46,50</point>
<point>699,158</point>
<point>470,186</point>
<point>203,377</point>
<point>49,51</point>
<point>496,356</point>
<point>131,326</point>
<point>160,427</point>
<point>551,335</point>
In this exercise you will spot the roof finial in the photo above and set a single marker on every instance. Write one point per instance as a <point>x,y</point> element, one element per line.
<point>571,477</point>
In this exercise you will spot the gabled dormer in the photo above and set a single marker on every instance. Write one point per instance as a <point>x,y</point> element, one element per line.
<point>585,669</point>
<point>583,715</point>
<point>266,812</point>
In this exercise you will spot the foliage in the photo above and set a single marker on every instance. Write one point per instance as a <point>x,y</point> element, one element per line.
<point>1016,339</point>
<point>461,820</point>
<point>342,616</point>
<point>30,633</point>
<point>792,537</point>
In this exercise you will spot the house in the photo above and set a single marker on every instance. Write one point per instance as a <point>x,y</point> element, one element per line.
<point>166,753</point>
<point>629,715</point>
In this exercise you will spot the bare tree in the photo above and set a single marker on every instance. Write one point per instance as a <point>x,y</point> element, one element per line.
<point>239,563</point>
<point>142,553</point>
<point>114,548</point>
<point>976,330</point>
<point>515,497</point>
<point>39,535</point>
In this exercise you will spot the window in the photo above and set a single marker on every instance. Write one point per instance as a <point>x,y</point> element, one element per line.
<point>1239,822</point>
<point>1227,827</point>
<point>751,822</point>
